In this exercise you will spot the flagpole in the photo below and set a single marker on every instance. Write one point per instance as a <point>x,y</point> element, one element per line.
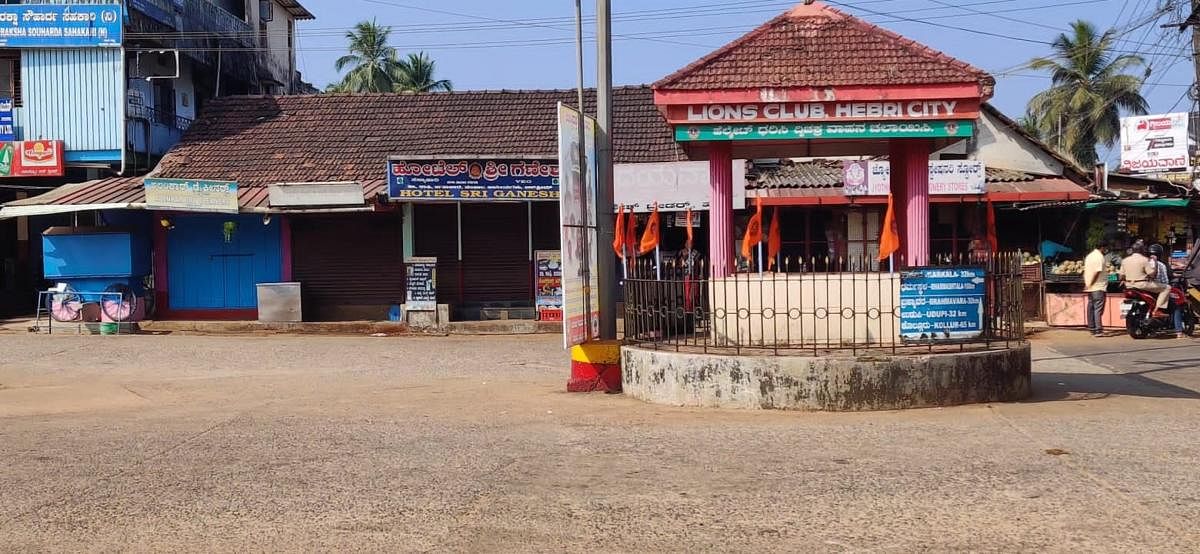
<point>657,263</point>
<point>760,259</point>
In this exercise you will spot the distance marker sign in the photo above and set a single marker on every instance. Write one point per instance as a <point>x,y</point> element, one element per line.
<point>943,303</point>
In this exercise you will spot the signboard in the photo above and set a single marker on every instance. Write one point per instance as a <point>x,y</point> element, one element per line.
<point>581,285</point>
<point>472,179</point>
<point>1155,143</point>
<point>8,131</point>
<point>31,158</point>
<point>874,178</point>
<point>191,195</point>
<point>799,131</point>
<point>807,112</point>
<point>287,195</point>
<point>60,25</point>
<point>674,186</point>
<point>549,294</point>
<point>942,303</point>
<point>420,284</point>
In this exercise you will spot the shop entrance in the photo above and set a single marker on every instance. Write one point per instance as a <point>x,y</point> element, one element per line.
<point>215,261</point>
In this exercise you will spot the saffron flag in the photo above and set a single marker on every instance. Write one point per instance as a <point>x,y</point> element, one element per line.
<point>889,239</point>
<point>753,231</point>
<point>619,231</point>
<point>689,228</point>
<point>774,240</point>
<point>650,235</point>
<point>993,242</point>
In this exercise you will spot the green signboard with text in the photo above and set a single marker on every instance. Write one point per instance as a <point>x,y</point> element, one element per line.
<point>808,131</point>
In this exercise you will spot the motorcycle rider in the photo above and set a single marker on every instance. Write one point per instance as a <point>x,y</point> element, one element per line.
<point>1162,274</point>
<point>1192,271</point>
<point>1139,272</point>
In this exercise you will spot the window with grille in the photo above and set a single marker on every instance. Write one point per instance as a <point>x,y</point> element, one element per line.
<point>10,75</point>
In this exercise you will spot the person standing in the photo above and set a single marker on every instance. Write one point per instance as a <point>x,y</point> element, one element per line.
<point>1095,283</point>
<point>1139,273</point>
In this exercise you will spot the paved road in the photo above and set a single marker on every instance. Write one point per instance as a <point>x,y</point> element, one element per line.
<point>450,444</point>
<point>1169,365</point>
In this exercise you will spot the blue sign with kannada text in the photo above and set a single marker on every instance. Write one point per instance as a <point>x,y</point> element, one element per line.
<point>472,179</point>
<point>60,25</point>
<point>8,132</point>
<point>942,303</point>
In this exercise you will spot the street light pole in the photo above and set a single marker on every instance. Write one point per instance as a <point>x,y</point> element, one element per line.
<point>607,262</point>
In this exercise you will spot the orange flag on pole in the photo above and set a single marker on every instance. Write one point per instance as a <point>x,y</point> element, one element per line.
<point>889,239</point>
<point>774,240</point>
<point>619,231</point>
<point>650,235</point>
<point>753,231</point>
<point>689,228</point>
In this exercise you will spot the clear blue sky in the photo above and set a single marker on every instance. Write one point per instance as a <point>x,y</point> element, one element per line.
<point>490,44</point>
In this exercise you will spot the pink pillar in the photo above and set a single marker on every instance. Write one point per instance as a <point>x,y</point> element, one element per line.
<point>720,209</point>
<point>910,186</point>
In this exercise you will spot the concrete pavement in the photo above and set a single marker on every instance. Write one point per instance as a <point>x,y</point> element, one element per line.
<point>151,443</point>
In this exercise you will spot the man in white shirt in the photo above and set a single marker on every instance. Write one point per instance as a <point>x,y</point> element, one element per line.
<point>1095,283</point>
<point>1139,273</point>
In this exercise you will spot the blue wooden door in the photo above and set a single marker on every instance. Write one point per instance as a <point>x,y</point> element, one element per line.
<point>207,272</point>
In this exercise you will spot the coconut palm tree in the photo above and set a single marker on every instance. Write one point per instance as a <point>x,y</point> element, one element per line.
<point>373,64</point>
<point>1090,88</point>
<point>416,74</point>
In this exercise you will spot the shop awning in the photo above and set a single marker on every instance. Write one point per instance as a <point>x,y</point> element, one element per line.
<point>9,212</point>
<point>1147,203</point>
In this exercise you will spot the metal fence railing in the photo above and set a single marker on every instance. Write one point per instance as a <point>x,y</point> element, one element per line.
<point>854,306</point>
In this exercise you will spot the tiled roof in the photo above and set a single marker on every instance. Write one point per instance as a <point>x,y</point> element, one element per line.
<point>818,46</point>
<point>348,137</point>
<point>828,174</point>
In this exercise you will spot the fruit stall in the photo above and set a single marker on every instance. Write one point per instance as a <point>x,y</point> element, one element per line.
<point>1065,301</point>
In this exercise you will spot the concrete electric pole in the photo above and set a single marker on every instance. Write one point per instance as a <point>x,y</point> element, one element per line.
<point>607,263</point>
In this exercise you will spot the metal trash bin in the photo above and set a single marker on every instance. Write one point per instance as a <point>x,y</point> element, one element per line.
<point>279,302</point>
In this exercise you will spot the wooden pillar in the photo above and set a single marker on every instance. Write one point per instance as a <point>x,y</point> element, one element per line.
<point>720,209</point>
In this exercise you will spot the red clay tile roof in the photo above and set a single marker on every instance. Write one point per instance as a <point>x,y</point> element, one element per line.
<point>818,46</point>
<point>258,140</point>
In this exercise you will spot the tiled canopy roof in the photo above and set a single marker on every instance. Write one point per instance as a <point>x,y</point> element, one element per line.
<point>262,140</point>
<point>817,46</point>
<point>828,174</point>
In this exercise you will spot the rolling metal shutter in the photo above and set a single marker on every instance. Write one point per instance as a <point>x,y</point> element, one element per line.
<point>496,265</point>
<point>435,234</point>
<point>348,260</point>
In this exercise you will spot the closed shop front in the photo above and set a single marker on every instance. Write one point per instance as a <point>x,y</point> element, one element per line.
<point>215,261</point>
<point>350,267</point>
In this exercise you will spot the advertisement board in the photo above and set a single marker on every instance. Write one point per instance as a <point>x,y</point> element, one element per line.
<point>942,303</point>
<point>416,179</point>
<point>420,284</point>
<point>874,178</point>
<point>673,186</point>
<point>548,293</point>
<point>581,285</point>
<point>60,25</point>
<point>191,195</point>
<point>31,158</point>
<point>1155,143</point>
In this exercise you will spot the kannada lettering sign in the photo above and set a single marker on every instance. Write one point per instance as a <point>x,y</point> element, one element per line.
<point>549,294</point>
<point>8,131</point>
<point>841,131</point>
<point>31,158</point>
<point>420,284</point>
<point>672,186</point>
<point>874,178</point>
<point>472,179</point>
<point>191,195</point>
<point>942,303</point>
<point>60,25</point>
<point>781,112</point>
<point>1155,143</point>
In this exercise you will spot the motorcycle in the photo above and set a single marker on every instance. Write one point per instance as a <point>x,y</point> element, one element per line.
<point>1138,312</point>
